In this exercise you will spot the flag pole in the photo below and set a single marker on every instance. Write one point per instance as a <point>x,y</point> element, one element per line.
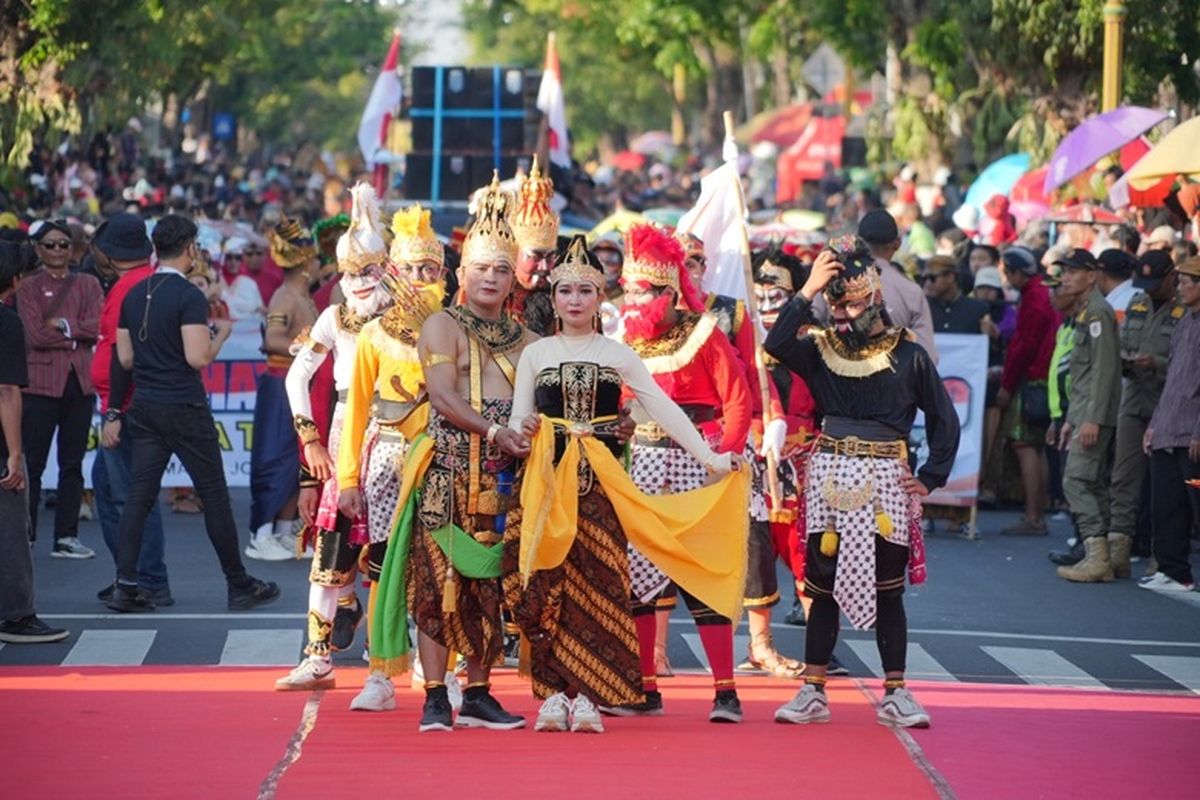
<point>760,363</point>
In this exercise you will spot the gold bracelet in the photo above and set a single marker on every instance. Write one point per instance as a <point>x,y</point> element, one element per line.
<point>493,432</point>
<point>306,429</point>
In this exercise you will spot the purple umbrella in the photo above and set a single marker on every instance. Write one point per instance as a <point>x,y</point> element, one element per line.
<point>1096,138</point>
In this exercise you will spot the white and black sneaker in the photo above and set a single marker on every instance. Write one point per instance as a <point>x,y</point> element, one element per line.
<point>30,630</point>
<point>726,707</point>
<point>436,714</point>
<point>808,706</point>
<point>71,547</point>
<point>900,709</point>
<point>481,710</point>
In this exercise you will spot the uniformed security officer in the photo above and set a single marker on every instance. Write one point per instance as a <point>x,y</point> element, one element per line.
<point>1095,397</point>
<point>1145,342</point>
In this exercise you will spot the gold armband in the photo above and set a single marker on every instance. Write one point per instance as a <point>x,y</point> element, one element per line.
<point>433,359</point>
<point>306,429</point>
<point>277,319</point>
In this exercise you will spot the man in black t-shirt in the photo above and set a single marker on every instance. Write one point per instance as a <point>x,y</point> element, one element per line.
<point>19,623</point>
<point>164,337</point>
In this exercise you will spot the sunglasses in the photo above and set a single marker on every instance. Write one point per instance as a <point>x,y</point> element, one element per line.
<point>61,244</point>
<point>255,252</point>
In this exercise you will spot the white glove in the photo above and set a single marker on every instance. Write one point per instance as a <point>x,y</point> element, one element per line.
<point>774,436</point>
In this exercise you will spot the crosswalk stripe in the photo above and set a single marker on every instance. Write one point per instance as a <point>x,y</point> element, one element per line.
<point>921,665</point>
<point>261,648</point>
<point>104,648</point>
<point>1184,670</point>
<point>1042,667</point>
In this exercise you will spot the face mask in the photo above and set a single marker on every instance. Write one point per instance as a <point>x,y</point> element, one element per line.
<point>858,334</point>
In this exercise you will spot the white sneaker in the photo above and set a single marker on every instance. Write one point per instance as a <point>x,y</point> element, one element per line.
<point>312,673</point>
<point>1161,582</point>
<point>902,710</point>
<point>71,547</point>
<point>288,542</point>
<point>806,707</point>
<point>454,691</point>
<point>553,714</point>
<point>377,694</point>
<point>268,548</point>
<point>585,717</point>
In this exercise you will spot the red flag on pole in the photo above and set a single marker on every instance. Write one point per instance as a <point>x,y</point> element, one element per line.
<point>550,102</point>
<point>377,116</point>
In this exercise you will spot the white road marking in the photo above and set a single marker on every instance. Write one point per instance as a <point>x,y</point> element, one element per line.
<point>103,648</point>
<point>1184,670</point>
<point>260,648</point>
<point>921,665</point>
<point>1042,667</point>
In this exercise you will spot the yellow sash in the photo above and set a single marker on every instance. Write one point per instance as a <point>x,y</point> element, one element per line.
<point>698,538</point>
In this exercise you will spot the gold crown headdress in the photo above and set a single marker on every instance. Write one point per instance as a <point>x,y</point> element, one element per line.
<point>362,244</point>
<point>859,278</point>
<point>491,238</point>
<point>577,265</point>
<point>291,245</point>
<point>533,222</point>
<point>693,245</point>
<point>653,256</point>
<point>413,237</point>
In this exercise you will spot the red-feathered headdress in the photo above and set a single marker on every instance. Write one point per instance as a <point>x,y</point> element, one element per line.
<point>652,255</point>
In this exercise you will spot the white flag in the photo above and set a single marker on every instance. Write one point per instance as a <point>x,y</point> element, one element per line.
<point>718,221</point>
<point>384,99</point>
<point>550,102</point>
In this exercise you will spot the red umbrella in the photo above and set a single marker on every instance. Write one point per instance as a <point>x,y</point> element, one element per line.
<point>785,126</point>
<point>1157,194</point>
<point>1028,188</point>
<point>628,161</point>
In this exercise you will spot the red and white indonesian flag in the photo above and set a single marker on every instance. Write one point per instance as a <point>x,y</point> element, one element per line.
<point>551,103</point>
<point>385,99</point>
<point>718,220</point>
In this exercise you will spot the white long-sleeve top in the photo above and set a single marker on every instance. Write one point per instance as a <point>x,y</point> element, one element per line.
<point>550,352</point>
<point>325,338</point>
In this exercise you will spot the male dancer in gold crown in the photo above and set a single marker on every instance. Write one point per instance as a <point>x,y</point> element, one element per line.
<point>535,226</point>
<point>862,510</point>
<point>274,457</point>
<point>469,354</point>
<point>361,254</point>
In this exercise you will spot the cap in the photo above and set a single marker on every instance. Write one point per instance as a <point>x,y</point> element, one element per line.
<point>1163,234</point>
<point>123,237</point>
<point>1117,263</point>
<point>989,276</point>
<point>1077,258</point>
<point>1020,259</point>
<point>878,227</point>
<point>1190,267</point>
<point>1152,267</point>
<point>39,229</point>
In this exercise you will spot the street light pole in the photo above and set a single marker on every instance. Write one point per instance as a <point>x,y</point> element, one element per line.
<point>1114,44</point>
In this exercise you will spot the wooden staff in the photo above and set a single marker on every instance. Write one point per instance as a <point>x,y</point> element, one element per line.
<point>760,363</point>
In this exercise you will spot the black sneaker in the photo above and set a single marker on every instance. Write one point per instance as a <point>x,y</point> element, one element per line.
<point>726,707</point>
<point>836,667</point>
<point>250,593</point>
<point>30,630</point>
<point>652,706</point>
<point>345,623</point>
<point>436,714</point>
<point>135,600</point>
<point>161,597</point>
<point>484,711</point>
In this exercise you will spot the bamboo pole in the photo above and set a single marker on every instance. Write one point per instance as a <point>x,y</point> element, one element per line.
<point>760,363</point>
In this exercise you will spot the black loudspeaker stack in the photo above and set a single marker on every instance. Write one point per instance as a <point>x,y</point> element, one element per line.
<point>487,116</point>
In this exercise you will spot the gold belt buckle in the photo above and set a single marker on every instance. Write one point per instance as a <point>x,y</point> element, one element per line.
<point>851,445</point>
<point>580,429</point>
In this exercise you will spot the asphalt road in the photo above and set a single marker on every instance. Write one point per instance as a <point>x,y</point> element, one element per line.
<point>992,611</point>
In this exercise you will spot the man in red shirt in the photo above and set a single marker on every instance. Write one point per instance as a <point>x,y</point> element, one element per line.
<point>1023,391</point>
<point>694,363</point>
<point>123,240</point>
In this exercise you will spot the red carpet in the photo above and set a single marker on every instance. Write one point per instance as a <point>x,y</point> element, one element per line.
<point>221,732</point>
<point>1031,741</point>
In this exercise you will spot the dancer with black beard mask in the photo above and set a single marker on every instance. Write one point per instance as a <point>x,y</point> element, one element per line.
<point>862,505</point>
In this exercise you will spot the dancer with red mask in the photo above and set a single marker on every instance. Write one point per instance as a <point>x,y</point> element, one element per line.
<point>694,363</point>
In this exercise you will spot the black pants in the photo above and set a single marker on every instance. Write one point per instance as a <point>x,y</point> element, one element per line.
<point>188,431</point>
<point>71,416</point>
<point>1172,505</point>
